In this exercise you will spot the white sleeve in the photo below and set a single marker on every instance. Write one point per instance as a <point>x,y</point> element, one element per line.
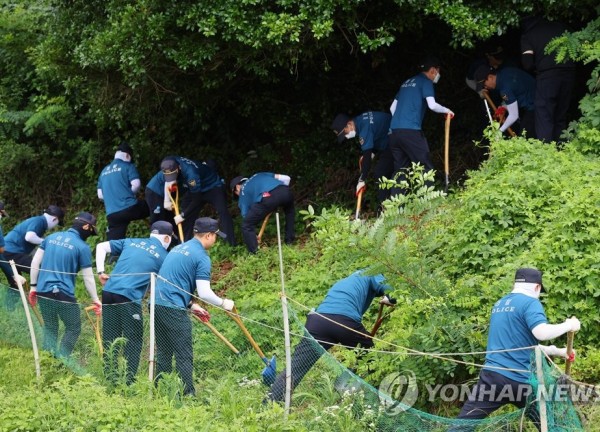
<point>544,332</point>
<point>35,266</point>
<point>553,351</point>
<point>393,106</point>
<point>436,107</point>
<point>90,283</point>
<point>513,116</point>
<point>102,249</point>
<point>100,195</point>
<point>135,185</point>
<point>207,294</point>
<point>33,238</point>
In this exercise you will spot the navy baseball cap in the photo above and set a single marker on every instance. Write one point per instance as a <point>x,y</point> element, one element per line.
<point>85,218</point>
<point>206,225</point>
<point>480,76</point>
<point>339,123</point>
<point>428,62</point>
<point>170,168</point>
<point>161,227</point>
<point>56,211</point>
<point>529,275</point>
<point>2,211</point>
<point>236,181</point>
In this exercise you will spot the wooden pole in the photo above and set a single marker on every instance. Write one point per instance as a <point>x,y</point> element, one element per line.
<point>217,333</point>
<point>541,390</point>
<point>286,328</point>
<point>447,149</point>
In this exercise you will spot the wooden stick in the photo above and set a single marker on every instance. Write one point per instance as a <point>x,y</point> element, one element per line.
<point>358,203</point>
<point>489,99</point>
<point>235,316</point>
<point>570,338</point>
<point>96,328</point>
<point>175,203</point>
<point>217,333</point>
<point>447,149</point>
<point>262,228</point>
<point>378,321</point>
<point>542,401</point>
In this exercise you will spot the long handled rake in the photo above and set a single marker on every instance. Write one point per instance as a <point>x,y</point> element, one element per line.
<point>270,371</point>
<point>447,150</point>
<point>217,333</point>
<point>570,338</point>
<point>96,327</point>
<point>175,203</point>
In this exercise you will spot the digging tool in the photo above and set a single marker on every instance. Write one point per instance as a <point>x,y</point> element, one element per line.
<point>34,308</point>
<point>568,363</point>
<point>96,328</point>
<point>262,228</point>
<point>217,333</point>
<point>175,203</point>
<point>270,371</point>
<point>360,193</point>
<point>447,150</point>
<point>381,317</point>
<point>491,102</point>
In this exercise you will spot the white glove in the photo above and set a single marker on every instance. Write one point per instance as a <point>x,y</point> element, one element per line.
<point>227,304</point>
<point>20,280</point>
<point>285,179</point>
<point>386,301</point>
<point>360,185</point>
<point>450,114</point>
<point>178,219</point>
<point>574,324</point>
<point>167,203</point>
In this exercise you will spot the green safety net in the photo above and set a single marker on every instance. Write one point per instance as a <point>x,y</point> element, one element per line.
<point>115,348</point>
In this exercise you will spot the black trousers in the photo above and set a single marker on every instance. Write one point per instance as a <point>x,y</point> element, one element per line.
<point>308,352</point>
<point>121,317</point>
<point>553,92</point>
<point>56,307</point>
<point>408,146</point>
<point>192,203</point>
<point>174,339</point>
<point>384,168</point>
<point>119,221</point>
<point>156,209</point>
<point>281,196</point>
<point>492,391</point>
<point>23,263</point>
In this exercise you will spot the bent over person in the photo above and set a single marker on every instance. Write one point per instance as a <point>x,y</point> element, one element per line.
<point>118,184</point>
<point>124,290</point>
<point>337,320</point>
<point>518,322</point>
<point>186,269</point>
<point>53,271</point>
<point>259,196</point>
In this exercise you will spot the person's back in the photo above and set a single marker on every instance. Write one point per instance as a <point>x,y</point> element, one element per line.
<point>516,85</point>
<point>537,33</point>
<point>15,239</point>
<point>411,106</point>
<point>115,183</point>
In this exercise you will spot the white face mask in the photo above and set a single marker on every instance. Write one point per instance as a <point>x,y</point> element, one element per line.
<point>436,78</point>
<point>165,240</point>
<point>350,135</point>
<point>52,223</point>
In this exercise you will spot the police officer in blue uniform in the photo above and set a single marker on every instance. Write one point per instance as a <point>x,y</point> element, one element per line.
<point>372,130</point>
<point>517,322</point>
<point>186,269</point>
<point>24,237</point>
<point>118,185</point>
<point>260,195</point>
<point>407,141</point>
<point>554,81</point>
<point>11,297</point>
<point>517,90</point>
<point>200,184</point>
<point>124,290</point>
<point>53,271</point>
<point>345,304</point>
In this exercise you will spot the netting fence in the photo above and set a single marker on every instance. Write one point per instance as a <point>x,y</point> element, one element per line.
<point>133,341</point>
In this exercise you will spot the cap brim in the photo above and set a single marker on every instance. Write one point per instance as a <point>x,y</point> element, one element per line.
<point>221,234</point>
<point>170,177</point>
